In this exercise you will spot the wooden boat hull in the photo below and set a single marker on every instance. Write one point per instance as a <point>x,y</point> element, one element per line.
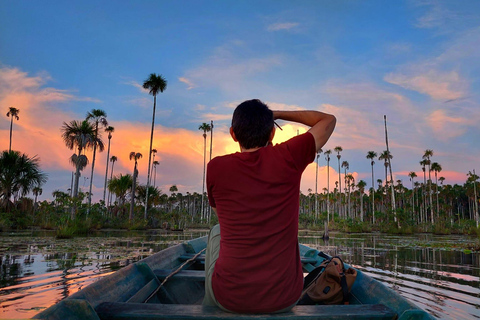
<point>122,295</point>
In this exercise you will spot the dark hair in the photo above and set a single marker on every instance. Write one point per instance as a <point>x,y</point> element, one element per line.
<point>252,123</point>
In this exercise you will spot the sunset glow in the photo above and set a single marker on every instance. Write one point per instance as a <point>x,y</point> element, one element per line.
<point>421,72</point>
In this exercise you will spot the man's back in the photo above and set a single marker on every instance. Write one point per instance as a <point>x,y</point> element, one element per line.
<point>256,197</point>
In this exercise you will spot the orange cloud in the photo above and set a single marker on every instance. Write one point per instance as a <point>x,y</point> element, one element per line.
<point>438,85</point>
<point>447,127</point>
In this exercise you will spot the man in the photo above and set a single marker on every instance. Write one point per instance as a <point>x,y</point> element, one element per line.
<point>254,267</point>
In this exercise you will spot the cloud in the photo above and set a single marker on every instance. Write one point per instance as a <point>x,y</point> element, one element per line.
<point>225,69</point>
<point>438,85</point>
<point>446,126</point>
<point>435,16</point>
<point>282,26</point>
<point>187,82</point>
<point>135,84</point>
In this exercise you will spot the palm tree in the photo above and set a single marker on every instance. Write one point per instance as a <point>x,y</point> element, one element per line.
<point>19,174</point>
<point>339,149</point>
<point>436,167</point>
<point>423,163</point>
<point>413,175</point>
<point>78,135</point>
<point>37,191</point>
<point>361,188</point>
<point>155,84</point>
<point>110,130</point>
<point>135,157</point>
<point>12,113</point>
<point>155,164</point>
<point>119,186</point>
<point>113,159</point>
<point>205,127</point>
<point>154,152</point>
<point>98,117</point>
<point>385,156</point>
<point>346,166</point>
<point>319,152</point>
<point>472,177</point>
<point>372,155</point>
<point>426,156</point>
<point>327,158</point>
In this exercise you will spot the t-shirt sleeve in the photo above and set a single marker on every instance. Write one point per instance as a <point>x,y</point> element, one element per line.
<point>302,149</point>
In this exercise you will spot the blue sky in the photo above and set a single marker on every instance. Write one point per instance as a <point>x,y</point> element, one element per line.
<point>415,61</point>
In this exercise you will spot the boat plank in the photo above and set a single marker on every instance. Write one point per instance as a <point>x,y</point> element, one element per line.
<point>137,311</point>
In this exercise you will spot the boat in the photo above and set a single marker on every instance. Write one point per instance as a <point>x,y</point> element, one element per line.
<point>170,285</point>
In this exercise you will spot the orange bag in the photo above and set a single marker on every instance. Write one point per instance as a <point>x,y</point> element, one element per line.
<point>329,283</point>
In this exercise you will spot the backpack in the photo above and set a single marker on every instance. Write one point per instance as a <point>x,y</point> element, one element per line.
<point>329,283</point>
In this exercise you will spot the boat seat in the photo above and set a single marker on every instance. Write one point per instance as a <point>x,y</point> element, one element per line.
<point>201,258</point>
<point>140,311</point>
<point>193,275</point>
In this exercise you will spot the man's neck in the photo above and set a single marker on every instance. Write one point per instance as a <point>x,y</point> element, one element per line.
<point>249,150</point>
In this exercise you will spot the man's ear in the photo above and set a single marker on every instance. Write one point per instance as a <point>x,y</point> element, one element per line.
<point>233,135</point>
<point>272,134</point>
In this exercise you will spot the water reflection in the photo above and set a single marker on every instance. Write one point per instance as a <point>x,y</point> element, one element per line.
<point>36,270</point>
<point>442,281</point>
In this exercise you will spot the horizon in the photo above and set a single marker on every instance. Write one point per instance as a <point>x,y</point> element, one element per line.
<point>415,62</point>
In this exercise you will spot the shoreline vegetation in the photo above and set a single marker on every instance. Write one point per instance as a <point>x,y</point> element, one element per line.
<point>429,205</point>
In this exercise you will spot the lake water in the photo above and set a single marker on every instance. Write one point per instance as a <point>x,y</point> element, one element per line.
<point>437,273</point>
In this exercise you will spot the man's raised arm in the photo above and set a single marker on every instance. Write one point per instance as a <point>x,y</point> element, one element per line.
<point>321,124</point>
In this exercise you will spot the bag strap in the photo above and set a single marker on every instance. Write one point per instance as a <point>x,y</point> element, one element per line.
<point>314,274</point>
<point>343,283</point>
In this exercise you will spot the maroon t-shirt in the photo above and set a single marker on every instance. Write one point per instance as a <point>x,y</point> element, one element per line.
<point>256,195</point>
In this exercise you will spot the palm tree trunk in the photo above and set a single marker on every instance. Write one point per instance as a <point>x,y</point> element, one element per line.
<point>11,127</point>
<point>109,193</point>
<point>373,197</point>
<point>93,167</point>
<point>150,155</point>
<point>204,169</point>
<point>328,191</point>
<point>106,173</point>
<point>339,187</point>
<point>132,200</point>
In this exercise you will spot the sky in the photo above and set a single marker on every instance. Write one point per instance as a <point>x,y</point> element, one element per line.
<point>416,62</point>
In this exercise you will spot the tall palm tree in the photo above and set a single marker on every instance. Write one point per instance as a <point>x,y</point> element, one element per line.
<point>346,166</point>
<point>339,149</point>
<point>110,130</point>
<point>37,191</point>
<point>205,127</point>
<point>436,167</point>
<point>154,152</point>
<point>361,188</point>
<point>473,177</point>
<point>412,176</point>
<point>155,164</point>
<point>423,192</point>
<point>97,117</point>
<point>113,159</point>
<point>12,113</point>
<point>78,135</point>
<point>426,156</point>
<point>385,156</point>
<point>135,156</point>
<point>319,152</point>
<point>155,84</point>
<point>349,183</point>
<point>211,138</point>
<point>327,158</point>
<point>372,155</point>
<point>19,174</point>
